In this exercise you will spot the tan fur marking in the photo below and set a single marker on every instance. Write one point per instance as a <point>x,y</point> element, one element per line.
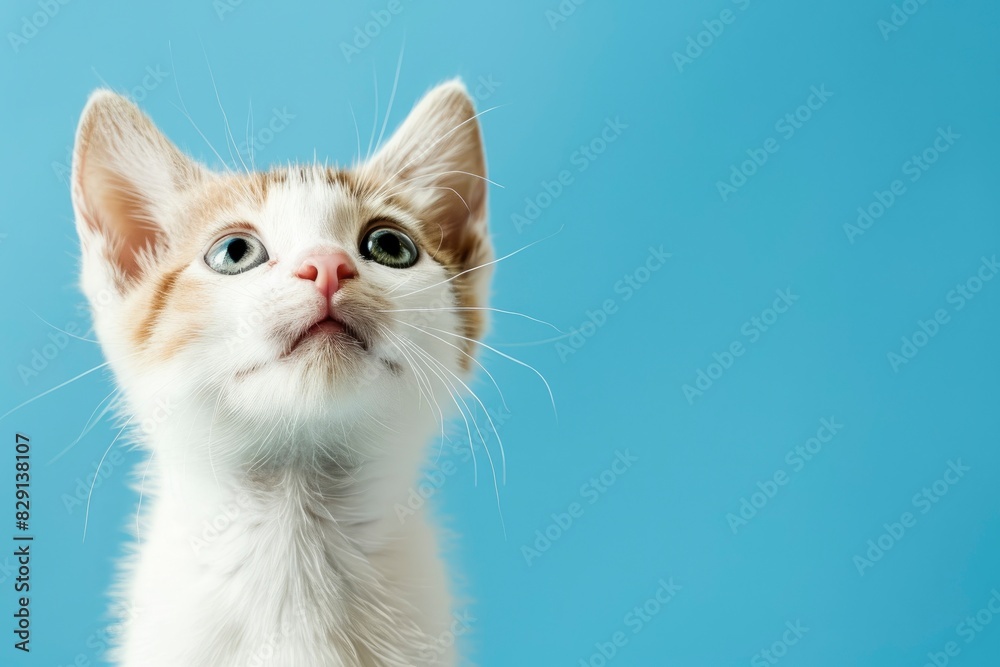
<point>156,305</point>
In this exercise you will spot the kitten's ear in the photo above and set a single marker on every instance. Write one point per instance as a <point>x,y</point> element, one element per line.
<point>437,158</point>
<point>128,181</point>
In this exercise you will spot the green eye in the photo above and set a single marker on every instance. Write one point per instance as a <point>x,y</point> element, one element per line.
<point>389,246</point>
<point>235,254</point>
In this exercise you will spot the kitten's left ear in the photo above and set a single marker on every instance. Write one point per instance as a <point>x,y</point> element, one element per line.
<point>128,182</point>
<point>437,158</point>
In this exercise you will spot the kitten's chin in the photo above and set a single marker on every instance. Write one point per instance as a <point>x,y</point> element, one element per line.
<point>329,356</point>
<point>327,371</point>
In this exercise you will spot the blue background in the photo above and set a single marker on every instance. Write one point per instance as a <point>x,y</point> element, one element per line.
<point>620,388</point>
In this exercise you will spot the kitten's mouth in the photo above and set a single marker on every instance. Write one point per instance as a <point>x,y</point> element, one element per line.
<point>326,325</point>
<point>328,329</point>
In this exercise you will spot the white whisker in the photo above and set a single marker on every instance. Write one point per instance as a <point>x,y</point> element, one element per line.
<point>402,184</point>
<point>184,111</point>
<point>482,266</point>
<point>138,508</point>
<point>492,310</point>
<point>371,139</point>
<point>418,374</point>
<point>88,426</point>
<point>49,391</point>
<point>88,340</point>
<point>86,518</point>
<point>474,360</point>
<point>249,134</point>
<point>482,439</point>
<point>503,455</point>
<point>392,96</point>
<point>357,134</point>
<point>508,357</point>
<point>225,118</point>
<point>444,136</point>
<point>452,392</point>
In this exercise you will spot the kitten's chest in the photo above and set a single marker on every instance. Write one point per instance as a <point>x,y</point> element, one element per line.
<point>271,584</point>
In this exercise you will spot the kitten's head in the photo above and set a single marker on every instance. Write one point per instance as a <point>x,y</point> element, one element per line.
<point>305,296</point>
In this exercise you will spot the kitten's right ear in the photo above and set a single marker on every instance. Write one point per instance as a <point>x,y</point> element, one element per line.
<point>128,182</point>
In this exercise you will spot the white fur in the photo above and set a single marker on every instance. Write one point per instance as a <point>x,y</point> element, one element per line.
<point>267,535</point>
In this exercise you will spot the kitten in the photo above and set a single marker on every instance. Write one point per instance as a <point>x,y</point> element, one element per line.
<point>286,343</point>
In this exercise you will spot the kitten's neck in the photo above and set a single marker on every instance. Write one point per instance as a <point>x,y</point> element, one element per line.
<point>328,475</point>
<point>311,544</point>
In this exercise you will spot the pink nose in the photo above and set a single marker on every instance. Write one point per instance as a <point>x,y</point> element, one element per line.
<point>327,270</point>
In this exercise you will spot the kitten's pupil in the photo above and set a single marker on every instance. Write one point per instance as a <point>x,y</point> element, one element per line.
<point>236,249</point>
<point>390,244</point>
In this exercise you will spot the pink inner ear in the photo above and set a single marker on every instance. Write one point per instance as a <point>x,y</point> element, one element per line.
<point>124,172</point>
<point>120,214</point>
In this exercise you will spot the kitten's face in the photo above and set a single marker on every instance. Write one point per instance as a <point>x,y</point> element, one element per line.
<point>305,295</point>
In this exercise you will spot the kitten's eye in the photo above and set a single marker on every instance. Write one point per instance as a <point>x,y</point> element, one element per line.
<point>389,246</point>
<point>235,254</point>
